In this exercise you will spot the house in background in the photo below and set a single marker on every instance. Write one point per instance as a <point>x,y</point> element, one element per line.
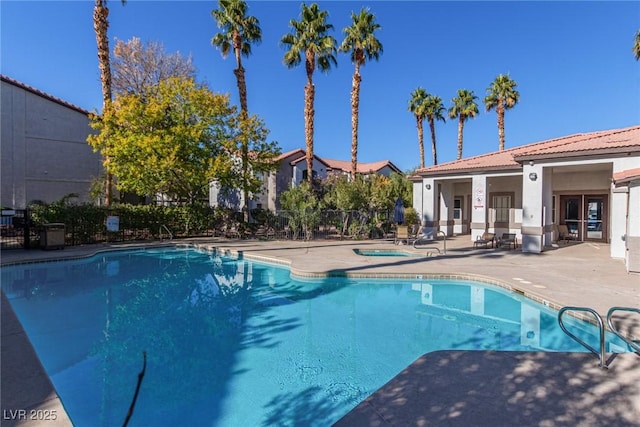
<point>43,147</point>
<point>291,173</point>
<point>589,183</point>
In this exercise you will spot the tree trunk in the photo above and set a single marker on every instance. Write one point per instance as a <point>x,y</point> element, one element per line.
<point>460,129</point>
<point>432,126</point>
<point>355,103</point>
<point>242,88</point>
<point>500,112</point>
<point>309,94</point>
<point>420,141</point>
<point>101,26</point>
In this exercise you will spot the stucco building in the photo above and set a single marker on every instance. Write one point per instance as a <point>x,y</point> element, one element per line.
<point>291,172</point>
<point>43,147</point>
<point>588,182</point>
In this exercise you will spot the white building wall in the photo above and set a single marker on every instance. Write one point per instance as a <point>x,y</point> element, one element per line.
<point>624,211</point>
<point>632,238</point>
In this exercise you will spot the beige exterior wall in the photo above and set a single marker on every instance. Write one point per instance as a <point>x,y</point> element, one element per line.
<point>44,149</point>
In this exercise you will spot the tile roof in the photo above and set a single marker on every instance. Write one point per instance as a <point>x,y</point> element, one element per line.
<point>297,151</point>
<point>339,165</point>
<point>345,165</point>
<point>578,145</point>
<point>42,94</point>
<point>626,176</point>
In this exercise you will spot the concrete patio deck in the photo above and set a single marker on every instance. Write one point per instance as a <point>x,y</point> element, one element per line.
<point>495,388</point>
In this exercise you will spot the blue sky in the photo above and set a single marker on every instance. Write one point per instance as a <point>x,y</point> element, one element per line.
<point>572,62</point>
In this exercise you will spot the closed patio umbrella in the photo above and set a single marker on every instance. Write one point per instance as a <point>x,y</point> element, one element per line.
<point>398,212</point>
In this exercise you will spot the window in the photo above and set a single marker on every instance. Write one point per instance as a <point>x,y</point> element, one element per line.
<point>457,208</point>
<point>305,174</point>
<point>502,204</point>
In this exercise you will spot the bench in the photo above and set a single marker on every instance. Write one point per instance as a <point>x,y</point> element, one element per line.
<point>508,239</point>
<point>484,240</point>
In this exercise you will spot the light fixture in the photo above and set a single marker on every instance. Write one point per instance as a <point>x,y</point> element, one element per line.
<point>533,176</point>
<point>530,162</point>
<point>428,186</point>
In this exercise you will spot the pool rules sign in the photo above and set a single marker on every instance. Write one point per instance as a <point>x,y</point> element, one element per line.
<point>113,223</point>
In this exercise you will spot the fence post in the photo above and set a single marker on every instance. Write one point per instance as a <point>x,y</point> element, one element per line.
<point>26,231</point>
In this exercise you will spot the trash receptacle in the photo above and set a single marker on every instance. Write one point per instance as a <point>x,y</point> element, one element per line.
<point>52,236</point>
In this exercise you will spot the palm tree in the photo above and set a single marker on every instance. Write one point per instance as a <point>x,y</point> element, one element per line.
<point>501,95</point>
<point>636,46</point>
<point>238,31</point>
<point>417,106</point>
<point>463,106</point>
<point>101,27</point>
<point>434,110</point>
<point>310,38</point>
<point>361,41</point>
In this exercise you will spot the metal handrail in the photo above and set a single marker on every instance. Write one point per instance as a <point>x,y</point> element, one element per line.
<point>423,238</point>
<point>633,344</point>
<point>444,241</point>
<point>599,354</point>
<point>168,231</point>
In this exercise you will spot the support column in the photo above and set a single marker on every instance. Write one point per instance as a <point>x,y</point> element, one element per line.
<point>547,204</point>
<point>478,206</point>
<point>532,208</point>
<point>426,203</point>
<point>446,208</point>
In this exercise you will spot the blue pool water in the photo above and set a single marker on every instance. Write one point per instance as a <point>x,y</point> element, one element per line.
<point>237,343</point>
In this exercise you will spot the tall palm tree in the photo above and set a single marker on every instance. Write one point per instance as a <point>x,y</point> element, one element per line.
<point>310,38</point>
<point>238,32</point>
<point>636,46</point>
<point>361,41</point>
<point>417,107</point>
<point>463,107</point>
<point>101,27</point>
<point>501,95</point>
<point>434,110</point>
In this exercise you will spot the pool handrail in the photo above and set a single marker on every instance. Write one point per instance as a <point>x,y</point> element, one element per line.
<point>425,238</point>
<point>601,353</point>
<point>635,345</point>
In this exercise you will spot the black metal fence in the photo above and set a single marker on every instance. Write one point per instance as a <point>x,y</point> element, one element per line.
<point>16,230</point>
<point>20,229</point>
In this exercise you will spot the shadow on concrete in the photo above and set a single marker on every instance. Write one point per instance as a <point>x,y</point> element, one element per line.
<point>478,388</point>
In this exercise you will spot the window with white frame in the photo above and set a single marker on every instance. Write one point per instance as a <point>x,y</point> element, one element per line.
<point>457,208</point>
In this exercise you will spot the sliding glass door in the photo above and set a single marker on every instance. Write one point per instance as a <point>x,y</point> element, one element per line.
<point>585,216</point>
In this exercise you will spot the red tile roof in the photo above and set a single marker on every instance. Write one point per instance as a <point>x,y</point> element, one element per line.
<point>339,165</point>
<point>345,165</point>
<point>297,151</point>
<point>578,145</point>
<point>42,94</point>
<point>626,176</point>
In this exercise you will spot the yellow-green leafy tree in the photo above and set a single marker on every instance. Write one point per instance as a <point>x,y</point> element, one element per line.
<point>175,139</point>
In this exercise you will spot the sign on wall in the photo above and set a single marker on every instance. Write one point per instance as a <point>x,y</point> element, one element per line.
<point>478,199</point>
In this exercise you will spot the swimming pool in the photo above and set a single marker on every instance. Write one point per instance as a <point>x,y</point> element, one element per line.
<point>235,343</point>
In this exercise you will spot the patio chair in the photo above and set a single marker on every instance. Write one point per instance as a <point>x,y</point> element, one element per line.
<point>508,239</point>
<point>404,234</point>
<point>565,234</point>
<point>485,239</point>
